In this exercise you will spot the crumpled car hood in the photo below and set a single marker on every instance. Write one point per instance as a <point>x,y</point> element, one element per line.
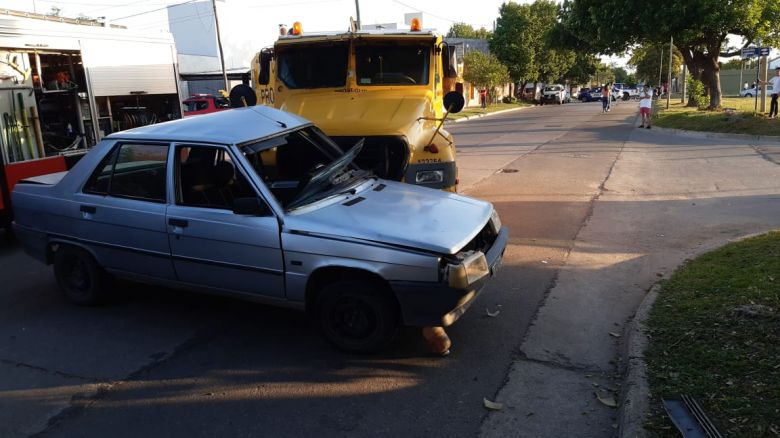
<point>400,214</point>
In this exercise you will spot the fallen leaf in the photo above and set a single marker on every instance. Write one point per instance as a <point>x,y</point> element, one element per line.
<point>607,400</point>
<point>613,334</point>
<point>492,314</point>
<point>493,406</point>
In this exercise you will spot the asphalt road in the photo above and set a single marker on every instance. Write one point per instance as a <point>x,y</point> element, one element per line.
<point>157,362</point>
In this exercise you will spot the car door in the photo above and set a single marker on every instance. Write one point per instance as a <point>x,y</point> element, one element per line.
<point>212,246</point>
<point>121,211</point>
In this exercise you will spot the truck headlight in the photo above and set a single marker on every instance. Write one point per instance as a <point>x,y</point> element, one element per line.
<point>429,176</point>
<point>465,273</point>
<point>495,222</point>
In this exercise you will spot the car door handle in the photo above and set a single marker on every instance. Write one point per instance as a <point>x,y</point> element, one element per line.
<point>91,209</point>
<point>181,223</point>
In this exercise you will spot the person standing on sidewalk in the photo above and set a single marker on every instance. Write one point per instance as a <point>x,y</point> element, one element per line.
<point>605,98</point>
<point>775,83</point>
<point>645,107</point>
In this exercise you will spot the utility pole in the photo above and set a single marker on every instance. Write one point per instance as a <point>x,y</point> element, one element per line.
<point>684,84</point>
<point>661,67</point>
<point>758,79</point>
<point>357,12</point>
<point>219,46</point>
<point>764,67</point>
<point>669,82</point>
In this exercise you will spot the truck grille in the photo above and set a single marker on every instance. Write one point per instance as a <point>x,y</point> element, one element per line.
<point>385,155</point>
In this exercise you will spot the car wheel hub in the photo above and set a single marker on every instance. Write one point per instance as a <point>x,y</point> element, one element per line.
<point>353,318</point>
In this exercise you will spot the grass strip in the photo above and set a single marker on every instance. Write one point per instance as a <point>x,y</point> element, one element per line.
<point>736,117</point>
<point>704,343</point>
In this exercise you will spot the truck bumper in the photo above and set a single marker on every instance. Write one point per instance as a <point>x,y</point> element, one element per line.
<point>437,304</point>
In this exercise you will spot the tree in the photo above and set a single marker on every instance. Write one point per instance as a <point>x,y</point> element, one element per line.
<point>582,69</point>
<point>650,59</point>
<point>523,42</point>
<point>464,30</point>
<point>603,75</point>
<point>484,70</point>
<point>622,75</point>
<point>739,63</point>
<point>699,28</point>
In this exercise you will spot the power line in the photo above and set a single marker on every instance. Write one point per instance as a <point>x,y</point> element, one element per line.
<point>153,10</point>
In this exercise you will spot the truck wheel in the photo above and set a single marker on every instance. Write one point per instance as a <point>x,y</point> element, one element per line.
<point>356,317</point>
<point>80,278</point>
<point>626,96</point>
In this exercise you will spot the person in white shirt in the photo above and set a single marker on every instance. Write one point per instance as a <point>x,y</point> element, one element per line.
<point>645,106</point>
<point>775,83</point>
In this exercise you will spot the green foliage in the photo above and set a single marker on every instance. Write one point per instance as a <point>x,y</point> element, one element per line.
<point>648,59</point>
<point>623,76</point>
<point>699,28</point>
<point>523,42</point>
<point>737,64</point>
<point>464,30</point>
<point>603,75</point>
<point>583,68</point>
<point>484,70</point>
<point>509,99</point>
<point>697,93</point>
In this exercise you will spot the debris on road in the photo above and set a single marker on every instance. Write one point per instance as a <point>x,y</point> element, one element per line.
<point>493,406</point>
<point>492,314</point>
<point>607,399</point>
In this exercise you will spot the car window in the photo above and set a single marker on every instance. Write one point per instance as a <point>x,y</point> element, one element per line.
<point>97,184</point>
<point>132,171</point>
<point>392,64</point>
<point>139,172</point>
<point>207,177</point>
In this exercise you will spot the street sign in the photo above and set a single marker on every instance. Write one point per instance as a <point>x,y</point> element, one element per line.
<point>749,52</point>
<point>752,52</point>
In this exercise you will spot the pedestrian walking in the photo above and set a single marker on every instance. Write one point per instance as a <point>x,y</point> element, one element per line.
<point>775,83</point>
<point>645,107</point>
<point>605,98</point>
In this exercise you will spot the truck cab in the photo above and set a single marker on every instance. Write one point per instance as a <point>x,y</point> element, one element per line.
<point>384,86</point>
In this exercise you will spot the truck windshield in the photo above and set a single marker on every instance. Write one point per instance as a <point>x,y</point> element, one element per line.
<point>314,66</point>
<point>392,64</point>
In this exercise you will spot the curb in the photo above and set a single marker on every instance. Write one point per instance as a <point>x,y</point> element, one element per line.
<point>715,135</point>
<point>477,116</point>
<point>635,392</point>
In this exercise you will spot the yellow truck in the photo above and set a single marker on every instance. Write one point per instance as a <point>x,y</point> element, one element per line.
<point>385,86</point>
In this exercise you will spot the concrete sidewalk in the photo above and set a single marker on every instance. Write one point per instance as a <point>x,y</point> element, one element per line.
<point>665,199</point>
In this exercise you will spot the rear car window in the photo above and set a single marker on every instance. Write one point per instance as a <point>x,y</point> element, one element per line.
<point>132,171</point>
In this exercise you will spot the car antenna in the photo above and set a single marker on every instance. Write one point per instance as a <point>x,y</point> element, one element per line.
<point>282,124</point>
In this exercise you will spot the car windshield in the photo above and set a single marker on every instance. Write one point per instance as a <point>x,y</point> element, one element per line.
<point>392,64</point>
<point>553,88</point>
<point>313,66</point>
<point>303,166</point>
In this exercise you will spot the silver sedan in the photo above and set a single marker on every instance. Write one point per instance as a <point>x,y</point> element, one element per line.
<point>260,204</point>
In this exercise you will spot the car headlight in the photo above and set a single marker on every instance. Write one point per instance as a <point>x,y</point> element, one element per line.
<point>495,222</point>
<point>429,176</point>
<point>465,273</point>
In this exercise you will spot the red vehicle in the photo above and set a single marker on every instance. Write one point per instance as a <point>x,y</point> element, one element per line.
<point>204,103</point>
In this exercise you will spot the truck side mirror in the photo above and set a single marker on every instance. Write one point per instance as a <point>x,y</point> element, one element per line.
<point>264,76</point>
<point>449,61</point>
<point>454,102</point>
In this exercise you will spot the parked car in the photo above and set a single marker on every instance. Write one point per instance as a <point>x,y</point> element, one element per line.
<point>751,92</point>
<point>623,92</point>
<point>259,204</point>
<point>554,94</point>
<point>204,104</point>
<point>584,94</point>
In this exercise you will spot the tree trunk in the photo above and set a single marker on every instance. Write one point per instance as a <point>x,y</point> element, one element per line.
<point>712,72</point>
<point>694,70</point>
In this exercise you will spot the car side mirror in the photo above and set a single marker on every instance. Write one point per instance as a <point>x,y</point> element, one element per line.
<point>250,207</point>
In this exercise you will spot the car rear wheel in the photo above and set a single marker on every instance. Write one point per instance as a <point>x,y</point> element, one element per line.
<point>80,278</point>
<point>356,316</point>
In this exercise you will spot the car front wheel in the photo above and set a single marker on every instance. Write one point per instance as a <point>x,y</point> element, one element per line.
<point>80,278</point>
<point>356,316</point>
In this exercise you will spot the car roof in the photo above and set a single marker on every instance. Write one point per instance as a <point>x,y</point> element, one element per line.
<point>235,126</point>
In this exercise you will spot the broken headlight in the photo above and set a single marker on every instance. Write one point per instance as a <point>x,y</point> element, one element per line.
<point>473,267</point>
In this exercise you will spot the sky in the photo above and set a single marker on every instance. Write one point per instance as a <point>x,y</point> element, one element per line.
<point>248,25</point>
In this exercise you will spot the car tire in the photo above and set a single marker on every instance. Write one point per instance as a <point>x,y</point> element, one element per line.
<point>79,277</point>
<point>748,95</point>
<point>356,316</point>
